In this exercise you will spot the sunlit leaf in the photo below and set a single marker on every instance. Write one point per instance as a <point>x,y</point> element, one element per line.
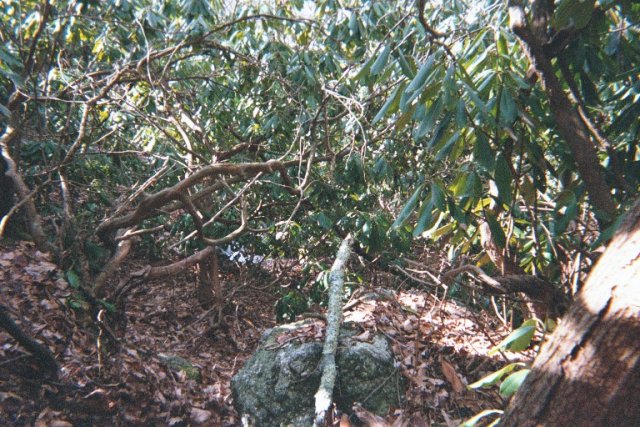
<point>518,340</point>
<point>495,377</point>
<point>513,382</point>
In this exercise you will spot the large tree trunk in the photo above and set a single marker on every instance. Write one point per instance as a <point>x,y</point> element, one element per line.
<point>588,374</point>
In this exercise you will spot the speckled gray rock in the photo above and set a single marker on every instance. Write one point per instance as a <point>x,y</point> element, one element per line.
<point>276,386</point>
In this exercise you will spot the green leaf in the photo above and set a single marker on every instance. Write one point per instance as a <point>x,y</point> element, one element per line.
<point>365,70</point>
<point>391,104</point>
<point>408,68</point>
<point>461,114</point>
<point>495,377</point>
<point>425,217</point>
<point>420,79</point>
<point>502,177</point>
<point>446,149</point>
<point>501,43</point>
<point>426,125</point>
<point>404,119</point>
<point>471,422</point>
<point>482,153</point>
<point>518,340</point>
<point>409,208</point>
<point>381,61</point>
<point>73,279</point>
<point>496,231</point>
<point>573,12</point>
<point>513,383</point>
<point>508,110</point>
<point>482,107</point>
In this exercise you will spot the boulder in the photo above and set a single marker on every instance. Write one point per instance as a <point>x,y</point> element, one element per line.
<point>276,386</point>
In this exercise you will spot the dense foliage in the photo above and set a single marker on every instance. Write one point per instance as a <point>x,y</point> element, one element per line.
<point>401,123</point>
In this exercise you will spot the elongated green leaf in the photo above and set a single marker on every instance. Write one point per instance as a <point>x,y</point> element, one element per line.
<point>408,69</point>
<point>471,422</point>
<point>501,43</point>
<point>425,216</point>
<point>420,79</point>
<point>518,340</point>
<point>73,279</point>
<point>496,231</point>
<point>508,109</point>
<point>381,61</point>
<point>435,200</point>
<point>365,70</point>
<point>409,208</point>
<point>495,377</point>
<point>446,149</point>
<point>483,154</point>
<point>480,105</point>
<point>391,104</point>
<point>502,177</point>
<point>513,383</point>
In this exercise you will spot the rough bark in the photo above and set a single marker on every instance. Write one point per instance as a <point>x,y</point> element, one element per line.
<point>588,374</point>
<point>568,121</point>
<point>324,396</point>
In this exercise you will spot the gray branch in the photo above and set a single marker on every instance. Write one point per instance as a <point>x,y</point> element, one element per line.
<point>324,396</point>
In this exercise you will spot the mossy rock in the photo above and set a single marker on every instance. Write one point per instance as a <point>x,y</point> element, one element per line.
<point>276,386</point>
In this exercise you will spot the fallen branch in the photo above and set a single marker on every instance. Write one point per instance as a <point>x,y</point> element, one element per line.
<point>544,299</point>
<point>42,354</point>
<point>324,395</point>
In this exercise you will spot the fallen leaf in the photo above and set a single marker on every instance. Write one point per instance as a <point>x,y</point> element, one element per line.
<point>200,416</point>
<point>450,374</point>
<point>369,419</point>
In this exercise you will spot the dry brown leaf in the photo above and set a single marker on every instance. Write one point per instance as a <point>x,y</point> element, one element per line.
<point>369,419</point>
<point>344,421</point>
<point>452,376</point>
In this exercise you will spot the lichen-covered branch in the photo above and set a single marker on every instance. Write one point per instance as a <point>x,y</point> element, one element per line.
<point>324,395</point>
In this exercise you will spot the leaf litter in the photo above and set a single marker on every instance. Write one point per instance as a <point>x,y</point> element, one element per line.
<point>169,367</point>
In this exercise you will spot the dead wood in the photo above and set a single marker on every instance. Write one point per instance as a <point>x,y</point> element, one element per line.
<point>45,358</point>
<point>544,299</point>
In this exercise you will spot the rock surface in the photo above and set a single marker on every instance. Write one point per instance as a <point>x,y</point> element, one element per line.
<point>277,384</point>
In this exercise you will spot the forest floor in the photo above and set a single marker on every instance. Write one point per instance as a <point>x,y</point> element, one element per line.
<point>131,378</point>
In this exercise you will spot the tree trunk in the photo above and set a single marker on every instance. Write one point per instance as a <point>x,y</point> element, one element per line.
<point>566,117</point>
<point>588,374</point>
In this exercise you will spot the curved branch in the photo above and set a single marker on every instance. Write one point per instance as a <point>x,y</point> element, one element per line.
<point>150,205</point>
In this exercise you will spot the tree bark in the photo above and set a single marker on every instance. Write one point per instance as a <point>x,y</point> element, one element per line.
<point>588,374</point>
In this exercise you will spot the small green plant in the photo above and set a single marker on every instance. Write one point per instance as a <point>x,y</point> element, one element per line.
<point>511,376</point>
